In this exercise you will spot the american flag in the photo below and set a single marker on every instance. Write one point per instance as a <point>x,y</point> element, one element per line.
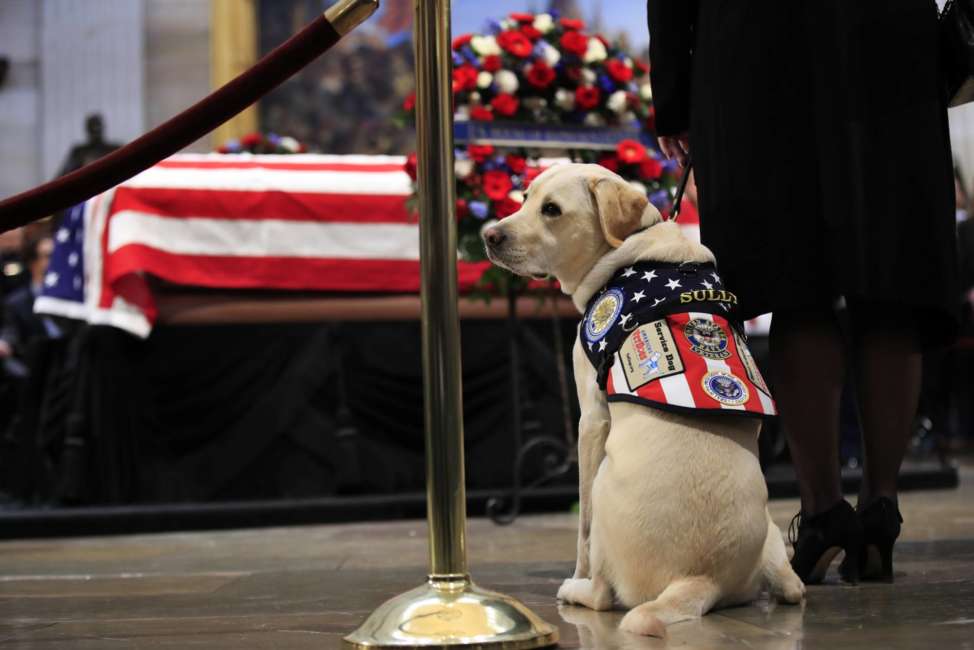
<point>304,222</point>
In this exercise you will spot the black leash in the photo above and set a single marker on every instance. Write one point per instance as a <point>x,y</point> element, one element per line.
<point>681,188</point>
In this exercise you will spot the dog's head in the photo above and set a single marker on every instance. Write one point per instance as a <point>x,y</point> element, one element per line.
<point>572,215</point>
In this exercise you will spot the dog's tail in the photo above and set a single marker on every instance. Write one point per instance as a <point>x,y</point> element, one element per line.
<point>683,599</point>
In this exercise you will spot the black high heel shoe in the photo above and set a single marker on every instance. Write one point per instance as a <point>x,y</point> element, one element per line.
<point>881,521</point>
<point>819,538</point>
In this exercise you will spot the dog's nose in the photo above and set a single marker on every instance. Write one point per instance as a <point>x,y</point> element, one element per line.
<point>494,236</point>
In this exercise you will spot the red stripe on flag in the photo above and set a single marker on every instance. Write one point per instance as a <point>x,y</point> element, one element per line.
<point>283,166</point>
<point>285,206</point>
<point>311,274</point>
<point>695,365</point>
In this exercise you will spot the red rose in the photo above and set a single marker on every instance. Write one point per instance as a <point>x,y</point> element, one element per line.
<point>497,184</point>
<point>630,152</point>
<point>480,152</point>
<point>492,63</point>
<point>462,209</point>
<point>409,103</point>
<point>464,78</point>
<point>530,32</point>
<point>650,168</point>
<point>587,97</point>
<point>574,42</point>
<point>522,17</point>
<point>504,104</point>
<point>572,23</point>
<point>574,73</point>
<point>506,207</point>
<point>540,74</point>
<point>481,114</point>
<point>516,163</point>
<point>651,120</point>
<point>461,40</point>
<point>641,66</point>
<point>610,162</point>
<point>251,139</point>
<point>515,42</point>
<point>618,70</point>
<point>410,165</point>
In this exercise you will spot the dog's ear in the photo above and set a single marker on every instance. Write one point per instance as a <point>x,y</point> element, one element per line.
<point>620,207</point>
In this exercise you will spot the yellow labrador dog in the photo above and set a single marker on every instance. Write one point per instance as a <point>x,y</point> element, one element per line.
<point>674,518</point>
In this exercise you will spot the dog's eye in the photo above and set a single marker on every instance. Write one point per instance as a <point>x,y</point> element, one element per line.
<point>550,209</point>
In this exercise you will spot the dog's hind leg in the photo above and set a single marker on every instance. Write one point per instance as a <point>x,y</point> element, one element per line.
<point>682,600</point>
<point>782,581</point>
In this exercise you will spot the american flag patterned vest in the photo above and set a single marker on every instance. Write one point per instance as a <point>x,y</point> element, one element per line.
<point>666,336</point>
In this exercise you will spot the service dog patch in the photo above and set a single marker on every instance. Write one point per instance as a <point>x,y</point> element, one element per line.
<point>707,338</point>
<point>750,365</point>
<point>648,354</point>
<point>603,314</point>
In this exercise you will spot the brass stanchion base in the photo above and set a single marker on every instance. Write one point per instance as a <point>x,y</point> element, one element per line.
<point>449,612</point>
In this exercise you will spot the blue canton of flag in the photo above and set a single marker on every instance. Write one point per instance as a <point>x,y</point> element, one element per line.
<point>64,280</point>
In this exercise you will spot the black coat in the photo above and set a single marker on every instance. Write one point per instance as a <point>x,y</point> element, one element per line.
<point>819,136</point>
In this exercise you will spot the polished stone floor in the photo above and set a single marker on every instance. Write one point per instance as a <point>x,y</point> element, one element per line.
<point>304,588</point>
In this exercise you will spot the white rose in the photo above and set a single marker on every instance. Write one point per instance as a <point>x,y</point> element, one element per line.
<point>463,167</point>
<point>507,23</point>
<point>617,101</point>
<point>462,114</point>
<point>506,81</point>
<point>646,92</point>
<point>484,79</point>
<point>485,45</point>
<point>516,195</point>
<point>595,52</point>
<point>474,97</point>
<point>544,23</point>
<point>535,103</point>
<point>550,54</point>
<point>289,143</point>
<point>565,99</point>
<point>588,77</point>
<point>594,119</point>
<point>628,116</point>
<point>639,186</point>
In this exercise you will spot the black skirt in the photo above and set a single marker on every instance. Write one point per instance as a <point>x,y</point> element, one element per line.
<point>819,136</point>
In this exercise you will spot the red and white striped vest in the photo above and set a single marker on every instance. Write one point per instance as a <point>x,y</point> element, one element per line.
<point>664,335</point>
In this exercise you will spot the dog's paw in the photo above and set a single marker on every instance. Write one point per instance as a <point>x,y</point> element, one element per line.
<point>790,589</point>
<point>573,590</point>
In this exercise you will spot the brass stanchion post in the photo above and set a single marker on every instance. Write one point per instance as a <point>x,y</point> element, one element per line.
<point>448,610</point>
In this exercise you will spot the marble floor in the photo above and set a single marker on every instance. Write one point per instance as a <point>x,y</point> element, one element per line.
<point>305,587</point>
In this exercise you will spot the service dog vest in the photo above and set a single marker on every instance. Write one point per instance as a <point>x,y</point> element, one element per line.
<point>667,336</point>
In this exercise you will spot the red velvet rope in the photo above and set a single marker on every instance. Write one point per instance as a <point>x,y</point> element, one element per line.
<point>168,138</point>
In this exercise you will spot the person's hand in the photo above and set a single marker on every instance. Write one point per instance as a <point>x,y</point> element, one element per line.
<point>5,349</point>
<point>676,146</point>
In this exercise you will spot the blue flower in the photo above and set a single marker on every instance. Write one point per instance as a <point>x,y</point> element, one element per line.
<point>606,84</point>
<point>478,209</point>
<point>457,59</point>
<point>494,27</point>
<point>660,199</point>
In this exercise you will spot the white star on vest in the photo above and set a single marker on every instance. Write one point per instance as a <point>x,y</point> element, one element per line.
<point>649,275</point>
<point>658,301</point>
<point>639,295</point>
<point>629,272</point>
<point>673,284</point>
<point>706,285</point>
<point>602,345</point>
<point>715,277</point>
<point>625,319</point>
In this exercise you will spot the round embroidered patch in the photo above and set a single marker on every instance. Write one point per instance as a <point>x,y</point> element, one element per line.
<point>725,388</point>
<point>707,338</point>
<point>603,314</point>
